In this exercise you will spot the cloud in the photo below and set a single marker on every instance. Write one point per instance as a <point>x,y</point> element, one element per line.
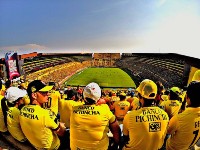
<point>23,49</point>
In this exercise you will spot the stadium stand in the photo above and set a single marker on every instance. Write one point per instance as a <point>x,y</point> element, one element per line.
<point>167,68</point>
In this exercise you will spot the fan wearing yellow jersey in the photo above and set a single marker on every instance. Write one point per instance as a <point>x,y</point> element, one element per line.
<point>113,98</point>
<point>121,107</point>
<point>53,99</point>
<point>37,123</point>
<point>65,106</point>
<point>90,123</point>
<point>3,109</point>
<point>15,102</point>
<point>172,105</point>
<point>146,127</point>
<point>184,127</point>
<point>135,105</point>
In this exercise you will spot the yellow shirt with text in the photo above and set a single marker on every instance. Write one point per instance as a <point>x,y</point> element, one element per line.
<point>89,125</point>
<point>184,126</point>
<point>13,124</point>
<point>121,108</point>
<point>172,107</point>
<point>53,101</point>
<point>146,128</point>
<point>65,109</point>
<point>37,125</point>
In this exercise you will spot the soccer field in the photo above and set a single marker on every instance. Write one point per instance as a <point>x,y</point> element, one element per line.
<point>105,77</point>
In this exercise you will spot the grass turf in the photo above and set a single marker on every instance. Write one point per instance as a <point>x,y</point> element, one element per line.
<point>105,77</point>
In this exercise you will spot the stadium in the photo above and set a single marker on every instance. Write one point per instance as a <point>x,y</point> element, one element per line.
<point>111,71</point>
<point>171,69</point>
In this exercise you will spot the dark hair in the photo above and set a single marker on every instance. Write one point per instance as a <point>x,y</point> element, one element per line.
<point>8,83</point>
<point>122,97</point>
<point>173,96</point>
<point>4,109</point>
<point>193,92</point>
<point>89,101</point>
<point>0,84</point>
<point>159,86</point>
<point>147,102</point>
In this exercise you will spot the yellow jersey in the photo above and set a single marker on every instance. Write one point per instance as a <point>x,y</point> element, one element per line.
<point>38,125</point>
<point>3,127</point>
<point>53,101</point>
<point>89,125</point>
<point>121,108</point>
<point>65,109</point>
<point>172,107</point>
<point>184,129</point>
<point>13,124</point>
<point>146,128</point>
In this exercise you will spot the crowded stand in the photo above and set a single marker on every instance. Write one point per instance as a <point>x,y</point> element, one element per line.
<point>39,111</point>
<point>168,69</point>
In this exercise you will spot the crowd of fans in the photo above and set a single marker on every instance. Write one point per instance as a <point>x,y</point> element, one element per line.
<point>42,116</point>
<point>153,116</point>
<point>142,67</point>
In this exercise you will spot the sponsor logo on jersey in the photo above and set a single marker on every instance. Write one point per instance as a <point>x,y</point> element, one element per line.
<point>87,110</point>
<point>28,113</point>
<point>151,115</point>
<point>154,126</point>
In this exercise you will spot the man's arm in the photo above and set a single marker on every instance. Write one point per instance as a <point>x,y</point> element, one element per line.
<point>116,131</point>
<point>61,129</point>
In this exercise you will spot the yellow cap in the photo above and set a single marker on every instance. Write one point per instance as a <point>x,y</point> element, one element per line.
<point>147,89</point>
<point>123,94</point>
<point>176,90</point>
<point>196,76</point>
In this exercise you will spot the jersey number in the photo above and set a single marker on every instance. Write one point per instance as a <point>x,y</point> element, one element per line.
<point>47,104</point>
<point>195,136</point>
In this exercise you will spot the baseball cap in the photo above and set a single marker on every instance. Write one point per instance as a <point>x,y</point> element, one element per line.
<point>196,76</point>
<point>122,94</point>
<point>92,91</point>
<point>147,89</point>
<point>13,94</point>
<point>176,90</point>
<point>52,83</point>
<point>38,85</point>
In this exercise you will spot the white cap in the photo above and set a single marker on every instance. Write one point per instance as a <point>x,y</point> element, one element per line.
<point>92,91</point>
<point>13,93</point>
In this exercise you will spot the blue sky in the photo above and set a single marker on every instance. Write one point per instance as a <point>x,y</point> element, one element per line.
<point>158,26</point>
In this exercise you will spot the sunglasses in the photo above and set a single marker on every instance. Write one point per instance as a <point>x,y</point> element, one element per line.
<point>43,93</point>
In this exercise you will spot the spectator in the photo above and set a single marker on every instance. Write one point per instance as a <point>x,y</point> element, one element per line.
<point>114,98</point>
<point>37,123</point>
<point>53,100</point>
<point>172,105</point>
<point>196,76</point>
<point>90,123</point>
<point>186,125</point>
<point>65,106</point>
<point>160,92</point>
<point>141,128</point>
<point>3,110</point>
<point>135,105</point>
<point>121,107</point>
<point>65,110</point>
<point>15,102</point>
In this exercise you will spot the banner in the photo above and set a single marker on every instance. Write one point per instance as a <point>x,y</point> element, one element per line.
<point>11,62</point>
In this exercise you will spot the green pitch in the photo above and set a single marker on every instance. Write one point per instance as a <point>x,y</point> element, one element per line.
<point>105,77</point>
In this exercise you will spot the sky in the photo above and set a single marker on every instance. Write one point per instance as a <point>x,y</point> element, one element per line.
<point>106,26</point>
